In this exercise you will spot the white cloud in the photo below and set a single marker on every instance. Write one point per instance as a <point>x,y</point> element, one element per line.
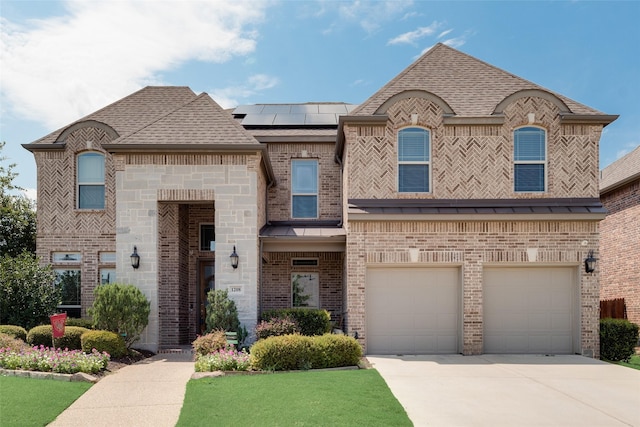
<point>444,33</point>
<point>626,149</point>
<point>413,36</point>
<point>62,68</point>
<point>230,96</point>
<point>369,15</point>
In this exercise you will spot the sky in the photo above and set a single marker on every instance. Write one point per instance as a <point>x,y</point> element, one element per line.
<point>63,59</point>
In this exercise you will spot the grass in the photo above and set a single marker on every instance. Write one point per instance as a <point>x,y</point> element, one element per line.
<point>634,362</point>
<point>310,398</point>
<point>31,402</point>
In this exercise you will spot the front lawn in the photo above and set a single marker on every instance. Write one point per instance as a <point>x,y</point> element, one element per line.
<point>633,363</point>
<point>32,402</point>
<point>335,398</point>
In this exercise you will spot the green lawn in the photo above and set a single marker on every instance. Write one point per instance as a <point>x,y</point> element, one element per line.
<point>309,398</point>
<point>31,402</point>
<point>633,363</point>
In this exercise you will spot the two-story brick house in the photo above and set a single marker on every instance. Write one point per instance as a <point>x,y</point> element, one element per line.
<point>451,212</point>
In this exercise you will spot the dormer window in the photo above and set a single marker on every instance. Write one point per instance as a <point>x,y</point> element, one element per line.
<point>90,186</point>
<point>529,159</point>
<point>414,155</point>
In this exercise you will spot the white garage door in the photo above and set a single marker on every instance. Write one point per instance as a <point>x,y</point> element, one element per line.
<point>529,310</point>
<point>412,310</point>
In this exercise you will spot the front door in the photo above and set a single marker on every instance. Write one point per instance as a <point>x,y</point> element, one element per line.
<point>206,283</point>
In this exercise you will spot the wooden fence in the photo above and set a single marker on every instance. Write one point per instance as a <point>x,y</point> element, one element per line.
<point>613,308</point>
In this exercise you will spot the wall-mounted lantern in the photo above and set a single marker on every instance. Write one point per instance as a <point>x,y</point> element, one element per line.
<point>135,258</point>
<point>590,263</point>
<point>234,258</point>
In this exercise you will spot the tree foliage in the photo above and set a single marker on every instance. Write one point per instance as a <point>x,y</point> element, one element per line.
<point>17,214</point>
<point>122,309</point>
<point>222,313</point>
<point>27,294</point>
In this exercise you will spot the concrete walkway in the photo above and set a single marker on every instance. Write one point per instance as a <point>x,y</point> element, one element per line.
<point>149,393</point>
<point>512,390</point>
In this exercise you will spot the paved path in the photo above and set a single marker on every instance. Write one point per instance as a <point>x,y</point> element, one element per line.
<point>149,393</point>
<point>512,390</point>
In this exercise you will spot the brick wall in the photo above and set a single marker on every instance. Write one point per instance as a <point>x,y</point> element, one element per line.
<point>620,248</point>
<point>276,280</point>
<point>472,245</point>
<point>279,197</point>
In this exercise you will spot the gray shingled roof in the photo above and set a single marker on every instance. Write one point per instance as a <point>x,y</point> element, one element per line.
<point>134,111</point>
<point>199,121</point>
<point>620,172</point>
<point>471,87</point>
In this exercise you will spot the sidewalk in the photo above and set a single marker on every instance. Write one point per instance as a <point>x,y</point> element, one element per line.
<point>149,393</point>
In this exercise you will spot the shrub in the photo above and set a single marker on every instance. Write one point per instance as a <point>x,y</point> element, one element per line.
<point>276,327</point>
<point>312,321</point>
<point>290,352</point>
<point>9,343</point>
<point>103,341</point>
<point>54,360</point>
<point>618,337</point>
<point>27,294</point>
<point>222,313</point>
<point>210,343</point>
<point>41,335</point>
<point>17,332</point>
<point>84,323</point>
<point>227,359</point>
<point>122,309</point>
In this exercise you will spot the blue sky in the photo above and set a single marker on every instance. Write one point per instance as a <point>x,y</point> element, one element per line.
<point>60,60</point>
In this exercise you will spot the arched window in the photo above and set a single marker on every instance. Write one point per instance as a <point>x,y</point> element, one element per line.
<point>529,159</point>
<point>414,157</point>
<point>90,189</point>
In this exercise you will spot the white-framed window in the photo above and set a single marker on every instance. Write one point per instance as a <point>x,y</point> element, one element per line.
<point>414,160</point>
<point>66,257</point>
<point>529,160</point>
<point>107,257</point>
<point>90,181</point>
<point>304,188</point>
<point>305,290</point>
<point>207,237</point>
<point>107,268</point>
<point>70,281</point>
<point>107,275</point>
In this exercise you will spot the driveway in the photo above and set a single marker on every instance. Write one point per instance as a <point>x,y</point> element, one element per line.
<point>512,390</point>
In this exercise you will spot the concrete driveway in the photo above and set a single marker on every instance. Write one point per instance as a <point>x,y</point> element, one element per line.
<point>512,390</point>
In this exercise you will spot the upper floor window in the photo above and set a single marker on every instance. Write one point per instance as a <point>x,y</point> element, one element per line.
<point>529,159</point>
<point>414,155</point>
<point>91,181</point>
<point>207,237</point>
<point>304,188</point>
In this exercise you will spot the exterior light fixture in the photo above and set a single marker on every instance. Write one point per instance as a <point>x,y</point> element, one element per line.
<point>135,258</point>
<point>590,263</point>
<point>234,258</point>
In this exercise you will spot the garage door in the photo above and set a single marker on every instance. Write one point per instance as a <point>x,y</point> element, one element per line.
<point>412,310</point>
<point>529,310</point>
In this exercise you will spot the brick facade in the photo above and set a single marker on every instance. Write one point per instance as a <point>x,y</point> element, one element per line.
<point>620,248</point>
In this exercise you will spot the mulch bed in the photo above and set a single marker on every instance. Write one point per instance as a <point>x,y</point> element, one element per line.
<point>135,356</point>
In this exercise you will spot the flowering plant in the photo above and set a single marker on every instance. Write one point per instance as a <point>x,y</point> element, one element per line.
<point>47,359</point>
<point>227,359</point>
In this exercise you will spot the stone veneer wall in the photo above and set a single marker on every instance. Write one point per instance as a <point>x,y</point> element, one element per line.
<point>472,245</point>
<point>276,280</point>
<point>620,248</point>
<point>279,197</point>
<point>145,182</point>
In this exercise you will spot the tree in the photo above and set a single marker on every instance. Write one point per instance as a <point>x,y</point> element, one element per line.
<point>17,215</point>
<point>27,293</point>
<point>222,313</point>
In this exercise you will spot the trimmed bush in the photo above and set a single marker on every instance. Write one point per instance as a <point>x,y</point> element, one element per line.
<point>107,341</point>
<point>222,313</point>
<point>210,343</point>
<point>83,323</point>
<point>312,321</point>
<point>292,352</point>
<point>618,337</point>
<point>17,332</point>
<point>276,327</point>
<point>122,309</point>
<point>13,344</point>
<point>41,335</point>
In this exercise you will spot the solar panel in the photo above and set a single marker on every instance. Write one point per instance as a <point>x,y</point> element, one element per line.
<point>333,108</point>
<point>248,109</point>
<point>321,119</point>
<point>258,120</point>
<point>304,108</point>
<point>276,108</point>
<point>289,119</point>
